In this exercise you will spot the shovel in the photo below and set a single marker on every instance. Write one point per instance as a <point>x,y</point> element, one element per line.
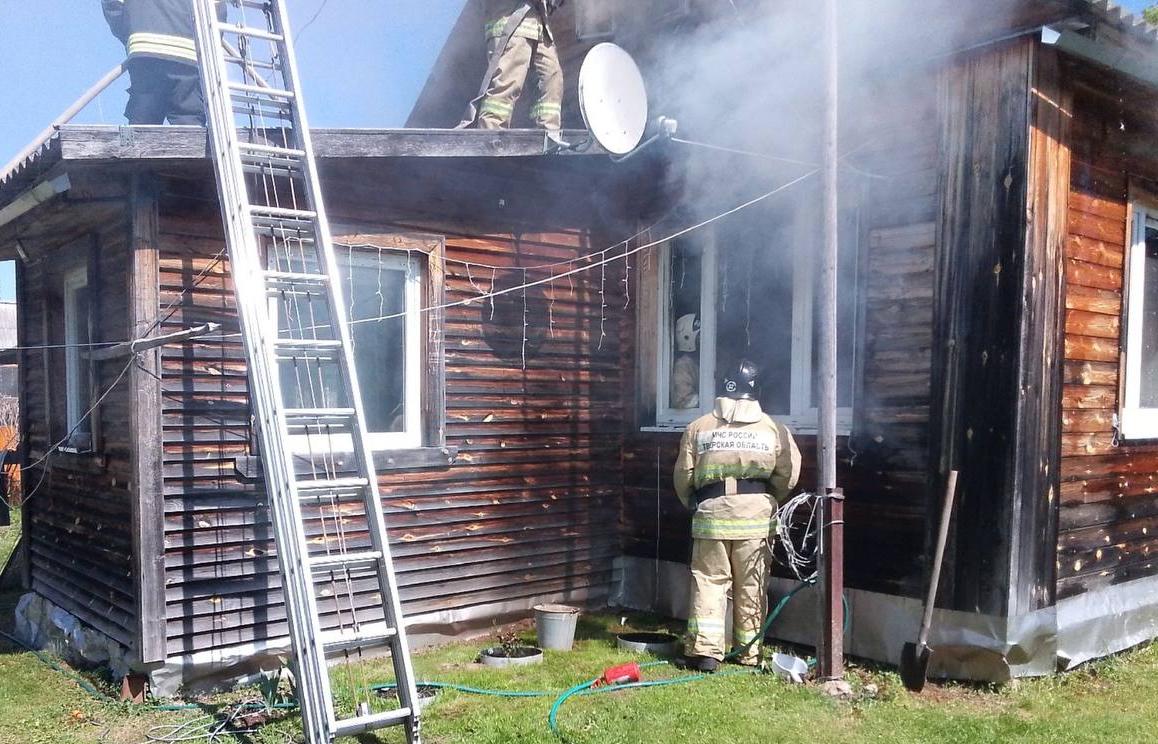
<point>915,657</point>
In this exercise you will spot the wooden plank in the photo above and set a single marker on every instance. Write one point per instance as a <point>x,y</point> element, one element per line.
<point>1098,325</point>
<point>1091,373</point>
<point>166,143</point>
<point>145,427</point>
<point>1091,349</point>
<point>1092,300</point>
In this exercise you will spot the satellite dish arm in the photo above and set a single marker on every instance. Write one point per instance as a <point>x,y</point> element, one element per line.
<point>667,130</point>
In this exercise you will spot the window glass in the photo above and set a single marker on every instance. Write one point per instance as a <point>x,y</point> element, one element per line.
<point>78,378</point>
<point>684,298</point>
<point>376,288</point>
<point>1148,380</point>
<point>754,305</point>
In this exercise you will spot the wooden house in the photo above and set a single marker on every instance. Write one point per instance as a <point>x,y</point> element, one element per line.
<point>998,171</point>
<point>996,182</point>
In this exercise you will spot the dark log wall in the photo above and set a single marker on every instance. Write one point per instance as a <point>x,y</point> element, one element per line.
<point>78,511</point>
<point>1109,514</point>
<point>885,470</point>
<point>529,508</point>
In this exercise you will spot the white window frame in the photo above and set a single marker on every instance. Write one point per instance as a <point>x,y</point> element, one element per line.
<point>75,365</point>
<point>665,415</point>
<point>583,30</point>
<point>411,437</point>
<point>803,416</point>
<point>1136,422</point>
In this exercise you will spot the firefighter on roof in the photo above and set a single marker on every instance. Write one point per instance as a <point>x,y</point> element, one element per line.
<point>734,465</point>
<point>165,82</point>
<point>518,38</point>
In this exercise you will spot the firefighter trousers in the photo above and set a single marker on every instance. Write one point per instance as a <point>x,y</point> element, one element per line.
<point>498,107</point>
<point>718,565</point>
<point>161,89</point>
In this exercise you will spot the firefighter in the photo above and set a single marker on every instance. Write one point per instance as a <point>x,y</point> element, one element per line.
<point>735,464</point>
<point>518,38</point>
<point>162,59</point>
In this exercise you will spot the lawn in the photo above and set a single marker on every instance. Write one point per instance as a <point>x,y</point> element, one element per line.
<point>1108,701</point>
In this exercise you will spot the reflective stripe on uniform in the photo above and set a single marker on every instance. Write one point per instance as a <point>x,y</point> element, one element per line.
<point>163,45</point>
<point>546,108</point>
<point>495,106</point>
<point>709,528</point>
<point>705,624</point>
<point>530,28</point>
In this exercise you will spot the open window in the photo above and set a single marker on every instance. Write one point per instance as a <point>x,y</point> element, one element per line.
<point>78,370</point>
<point>1138,408</point>
<point>744,289</point>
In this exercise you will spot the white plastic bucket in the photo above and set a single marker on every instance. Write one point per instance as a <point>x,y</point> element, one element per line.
<point>555,626</point>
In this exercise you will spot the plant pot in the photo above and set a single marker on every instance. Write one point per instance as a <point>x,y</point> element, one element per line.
<point>497,656</point>
<point>656,644</point>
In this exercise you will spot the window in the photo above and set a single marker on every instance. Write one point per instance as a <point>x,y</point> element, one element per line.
<point>745,290</point>
<point>383,291</point>
<point>594,19</point>
<point>1139,401</point>
<point>77,368</point>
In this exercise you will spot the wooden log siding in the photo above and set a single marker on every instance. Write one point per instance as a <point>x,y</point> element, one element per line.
<point>1108,516</point>
<point>530,506</point>
<point>78,512</point>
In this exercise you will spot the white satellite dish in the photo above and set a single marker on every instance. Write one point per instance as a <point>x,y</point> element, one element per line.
<point>613,98</point>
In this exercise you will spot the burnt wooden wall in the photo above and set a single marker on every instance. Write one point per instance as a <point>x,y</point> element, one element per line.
<point>1109,514</point>
<point>529,507</point>
<point>884,466</point>
<point>78,510</point>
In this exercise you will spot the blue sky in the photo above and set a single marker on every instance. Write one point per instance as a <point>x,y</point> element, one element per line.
<point>362,62</point>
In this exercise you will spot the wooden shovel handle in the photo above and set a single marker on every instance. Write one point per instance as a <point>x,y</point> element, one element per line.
<point>938,558</point>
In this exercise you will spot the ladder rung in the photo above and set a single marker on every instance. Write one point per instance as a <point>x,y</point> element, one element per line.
<point>306,344</point>
<point>265,109</point>
<point>309,417</point>
<point>258,148</point>
<point>333,484</point>
<point>248,62</point>
<point>250,31</point>
<point>293,277</point>
<point>362,724</point>
<point>342,560</point>
<point>261,90</point>
<point>260,211</point>
<point>338,640</point>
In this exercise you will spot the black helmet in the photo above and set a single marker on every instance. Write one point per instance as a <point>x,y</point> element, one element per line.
<point>739,382</point>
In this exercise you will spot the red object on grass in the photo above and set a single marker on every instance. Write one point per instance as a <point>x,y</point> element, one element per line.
<point>620,675</point>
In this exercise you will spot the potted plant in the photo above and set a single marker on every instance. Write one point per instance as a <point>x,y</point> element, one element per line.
<point>510,651</point>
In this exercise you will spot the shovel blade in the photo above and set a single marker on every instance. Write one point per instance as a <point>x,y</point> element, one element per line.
<point>914,666</point>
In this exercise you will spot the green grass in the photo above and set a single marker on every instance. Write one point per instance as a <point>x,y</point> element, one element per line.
<point>9,537</point>
<point>1108,701</point>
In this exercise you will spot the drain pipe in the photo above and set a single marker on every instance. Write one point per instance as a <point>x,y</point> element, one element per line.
<point>99,87</point>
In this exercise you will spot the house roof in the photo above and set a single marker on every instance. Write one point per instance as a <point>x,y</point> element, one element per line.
<point>118,143</point>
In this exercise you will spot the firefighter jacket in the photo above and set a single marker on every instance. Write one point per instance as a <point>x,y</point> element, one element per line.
<point>735,442</point>
<point>159,29</point>
<point>533,27</point>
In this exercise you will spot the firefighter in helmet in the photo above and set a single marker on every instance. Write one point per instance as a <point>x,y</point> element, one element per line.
<point>164,79</point>
<point>519,38</point>
<point>734,465</point>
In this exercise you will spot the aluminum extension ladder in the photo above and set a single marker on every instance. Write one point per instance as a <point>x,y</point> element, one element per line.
<point>284,270</point>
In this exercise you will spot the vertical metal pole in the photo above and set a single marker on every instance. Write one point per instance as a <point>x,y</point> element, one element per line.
<point>830,649</point>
